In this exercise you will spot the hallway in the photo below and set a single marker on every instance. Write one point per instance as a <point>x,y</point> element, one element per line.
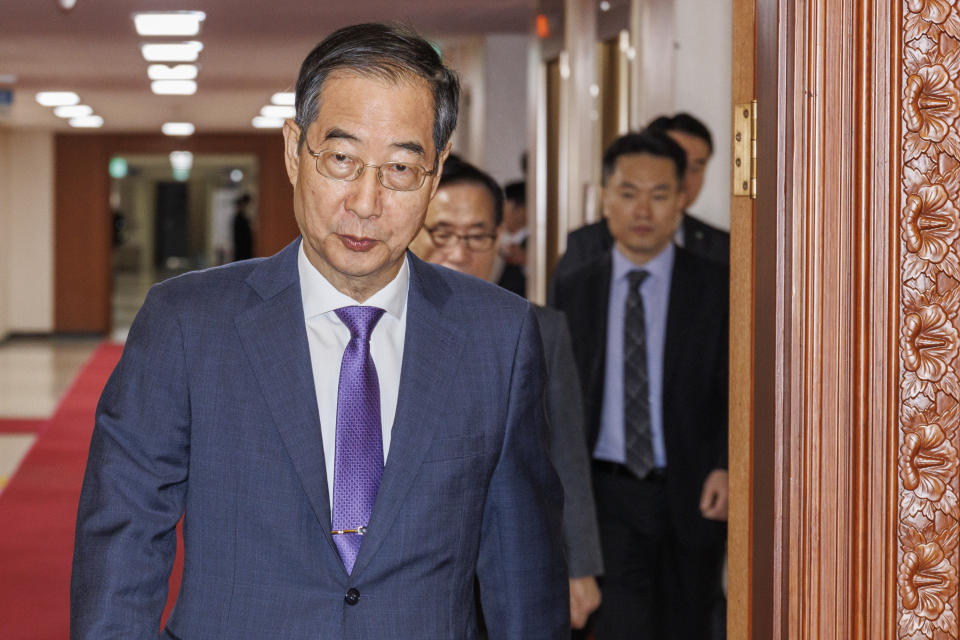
<point>35,373</point>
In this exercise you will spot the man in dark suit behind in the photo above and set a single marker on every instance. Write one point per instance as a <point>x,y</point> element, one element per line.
<point>649,326</point>
<point>355,439</point>
<point>694,234</point>
<point>461,231</point>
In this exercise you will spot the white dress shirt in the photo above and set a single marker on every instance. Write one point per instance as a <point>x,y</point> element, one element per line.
<point>327,338</point>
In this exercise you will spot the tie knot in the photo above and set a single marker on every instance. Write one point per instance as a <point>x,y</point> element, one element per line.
<point>637,277</point>
<point>359,320</point>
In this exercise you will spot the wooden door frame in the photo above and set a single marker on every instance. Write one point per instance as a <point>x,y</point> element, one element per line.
<point>846,477</point>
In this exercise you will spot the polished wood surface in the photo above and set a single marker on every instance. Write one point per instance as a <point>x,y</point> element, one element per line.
<point>741,349</point>
<point>828,316</point>
<point>82,222</point>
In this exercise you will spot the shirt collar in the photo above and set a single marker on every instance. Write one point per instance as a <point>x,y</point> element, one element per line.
<point>659,267</point>
<point>320,297</point>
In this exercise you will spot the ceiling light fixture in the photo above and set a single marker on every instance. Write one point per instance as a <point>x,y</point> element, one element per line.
<point>73,111</point>
<point>181,160</point>
<point>57,98</point>
<point>276,111</point>
<point>177,72</point>
<point>260,122</point>
<point>168,23</point>
<point>171,52</point>
<point>87,122</point>
<point>178,128</point>
<point>284,98</point>
<point>173,87</point>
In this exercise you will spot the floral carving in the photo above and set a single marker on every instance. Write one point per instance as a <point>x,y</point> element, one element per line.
<point>931,103</point>
<point>925,16</point>
<point>927,464</point>
<point>927,582</point>
<point>935,11</point>
<point>929,229</point>
<point>928,342</point>
<point>930,223</point>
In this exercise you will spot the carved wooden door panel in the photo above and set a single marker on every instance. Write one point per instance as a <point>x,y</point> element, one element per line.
<point>854,324</point>
<point>929,269</point>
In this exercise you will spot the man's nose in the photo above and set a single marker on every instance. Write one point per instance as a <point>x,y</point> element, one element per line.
<point>364,194</point>
<point>458,252</point>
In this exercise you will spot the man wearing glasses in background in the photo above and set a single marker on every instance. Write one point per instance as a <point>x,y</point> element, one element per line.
<point>355,439</point>
<point>461,232</point>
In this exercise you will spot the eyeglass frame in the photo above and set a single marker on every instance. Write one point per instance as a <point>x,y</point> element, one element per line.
<point>465,238</point>
<point>363,166</point>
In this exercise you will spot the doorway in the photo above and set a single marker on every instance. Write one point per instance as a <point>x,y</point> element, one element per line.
<point>168,219</point>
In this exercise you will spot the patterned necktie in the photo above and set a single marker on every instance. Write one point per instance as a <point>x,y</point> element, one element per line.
<point>358,464</point>
<point>636,381</point>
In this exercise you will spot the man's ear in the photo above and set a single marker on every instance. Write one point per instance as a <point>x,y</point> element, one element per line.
<point>291,150</point>
<point>436,178</point>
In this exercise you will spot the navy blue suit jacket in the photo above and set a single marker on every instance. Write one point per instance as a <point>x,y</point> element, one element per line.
<point>212,413</point>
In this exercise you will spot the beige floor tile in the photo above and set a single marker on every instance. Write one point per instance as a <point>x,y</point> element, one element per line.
<point>12,450</point>
<point>36,372</point>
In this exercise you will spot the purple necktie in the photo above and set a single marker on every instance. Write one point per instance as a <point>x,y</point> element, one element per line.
<point>358,464</point>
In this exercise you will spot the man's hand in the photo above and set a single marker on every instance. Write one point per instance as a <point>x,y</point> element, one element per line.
<point>584,600</point>
<point>713,500</point>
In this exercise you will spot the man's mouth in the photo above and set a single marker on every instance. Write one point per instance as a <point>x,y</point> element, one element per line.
<point>355,243</point>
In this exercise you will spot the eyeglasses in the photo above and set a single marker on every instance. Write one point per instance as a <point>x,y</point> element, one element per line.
<point>475,241</point>
<point>398,176</point>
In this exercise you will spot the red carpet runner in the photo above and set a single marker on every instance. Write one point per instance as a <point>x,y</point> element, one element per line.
<point>38,511</point>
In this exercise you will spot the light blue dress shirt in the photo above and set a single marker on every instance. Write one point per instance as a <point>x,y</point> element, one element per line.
<point>655,291</point>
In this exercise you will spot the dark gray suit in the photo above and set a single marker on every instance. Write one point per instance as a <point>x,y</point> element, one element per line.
<point>212,413</point>
<point>568,450</point>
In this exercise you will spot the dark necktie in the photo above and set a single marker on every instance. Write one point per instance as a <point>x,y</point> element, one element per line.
<point>358,464</point>
<point>636,381</point>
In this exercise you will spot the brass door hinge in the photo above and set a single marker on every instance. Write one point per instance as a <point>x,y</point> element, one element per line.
<point>745,149</point>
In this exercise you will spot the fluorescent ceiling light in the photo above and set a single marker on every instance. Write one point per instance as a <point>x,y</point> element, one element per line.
<point>173,87</point>
<point>275,111</point>
<point>91,122</point>
<point>73,111</point>
<point>284,98</point>
<point>168,23</point>
<point>171,52</point>
<point>57,98</point>
<point>260,122</point>
<point>181,160</point>
<point>178,128</point>
<point>177,72</point>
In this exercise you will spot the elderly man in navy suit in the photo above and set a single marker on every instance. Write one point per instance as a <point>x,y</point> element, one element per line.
<point>355,439</point>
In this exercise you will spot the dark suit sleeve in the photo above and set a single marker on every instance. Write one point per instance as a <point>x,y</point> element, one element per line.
<point>568,447</point>
<point>521,568</point>
<point>134,487</point>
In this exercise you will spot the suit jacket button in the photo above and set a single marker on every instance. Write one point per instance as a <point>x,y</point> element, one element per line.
<point>352,597</point>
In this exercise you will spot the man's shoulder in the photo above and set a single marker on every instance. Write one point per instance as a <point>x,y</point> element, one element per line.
<point>591,237</point>
<point>705,239</point>
<point>222,279</point>
<point>467,295</point>
<point>586,276</point>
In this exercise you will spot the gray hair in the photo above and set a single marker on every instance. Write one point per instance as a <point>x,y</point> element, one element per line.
<point>390,51</point>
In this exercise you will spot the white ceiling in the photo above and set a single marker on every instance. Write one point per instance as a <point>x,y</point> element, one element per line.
<point>252,48</point>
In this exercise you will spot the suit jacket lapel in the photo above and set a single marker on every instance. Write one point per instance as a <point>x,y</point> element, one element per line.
<point>431,352</point>
<point>274,337</point>
<point>591,312</point>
